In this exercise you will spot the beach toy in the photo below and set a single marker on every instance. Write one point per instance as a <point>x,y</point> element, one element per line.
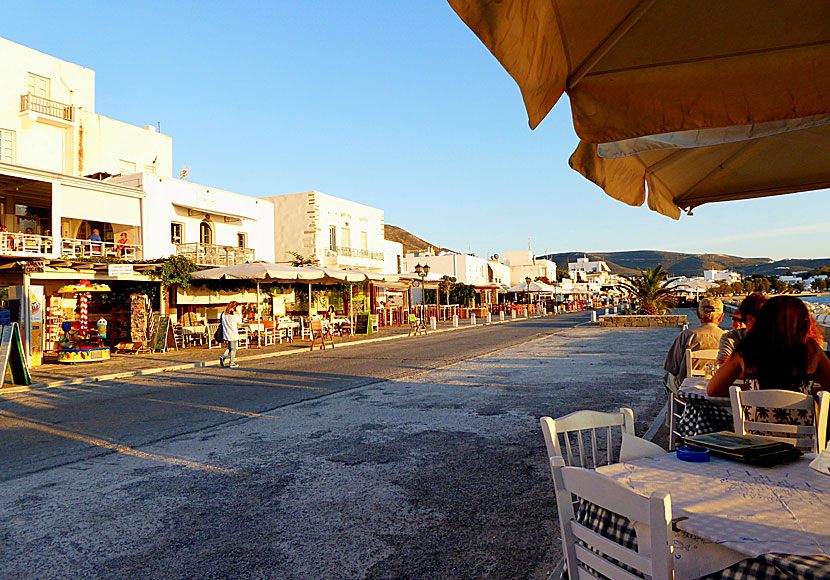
<point>102,328</point>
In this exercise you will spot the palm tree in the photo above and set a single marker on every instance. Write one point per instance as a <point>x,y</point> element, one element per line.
<point>650,291</point>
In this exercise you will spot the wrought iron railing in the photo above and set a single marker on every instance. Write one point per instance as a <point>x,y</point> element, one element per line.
<point>46,106</point>
<point>214,255</point>
<point>354,253</point>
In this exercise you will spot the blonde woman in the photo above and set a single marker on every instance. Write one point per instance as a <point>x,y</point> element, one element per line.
<point>230,322</point>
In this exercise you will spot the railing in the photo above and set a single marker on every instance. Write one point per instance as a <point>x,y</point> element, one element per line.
<point>24,244</point>
<point>45,106</point>
<point>213,255</point>
<point>75,248</point>
<point>354,253</point>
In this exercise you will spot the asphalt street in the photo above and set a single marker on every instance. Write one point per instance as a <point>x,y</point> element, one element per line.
<point>412,458</point>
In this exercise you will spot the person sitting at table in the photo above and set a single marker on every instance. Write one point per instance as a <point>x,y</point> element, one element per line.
<point>742,321</point>
<point>95,236</point>
<point>705,336</point>
<point>782,350</point>
<point>122,245</point>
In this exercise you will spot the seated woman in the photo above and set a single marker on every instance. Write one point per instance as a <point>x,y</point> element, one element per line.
<point>742,321</point>
<point>782,350</point>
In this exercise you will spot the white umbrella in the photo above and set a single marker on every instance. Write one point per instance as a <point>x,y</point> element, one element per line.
<point>535,286</point>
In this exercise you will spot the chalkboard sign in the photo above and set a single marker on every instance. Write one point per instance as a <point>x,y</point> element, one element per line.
<point>12,358</point>
<point>162,331</point>
<point>361,324</point>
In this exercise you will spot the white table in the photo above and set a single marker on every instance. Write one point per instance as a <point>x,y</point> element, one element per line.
<point>695,388</point>
<point>747,510</point>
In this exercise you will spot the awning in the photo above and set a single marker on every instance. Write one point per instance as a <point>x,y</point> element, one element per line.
<point>685,178</point>
<point>639,67</point>
<point>213,212</point>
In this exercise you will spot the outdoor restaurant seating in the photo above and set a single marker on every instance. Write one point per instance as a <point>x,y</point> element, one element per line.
<point>588,552</point>
<point>809,436</point>
<point>320,335</point>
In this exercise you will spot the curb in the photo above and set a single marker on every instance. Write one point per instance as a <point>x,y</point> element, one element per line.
<point>212,363</point>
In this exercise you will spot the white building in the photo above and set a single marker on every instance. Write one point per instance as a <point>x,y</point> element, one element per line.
<point>50,138</point>
<point>465,268</point>
<point>392,257</point>
<point>337,232</point>
<point>210,226</point>
<point>583,267</point>
<point>48,121</point>
<point>717,275</point>
<point>523,265</point>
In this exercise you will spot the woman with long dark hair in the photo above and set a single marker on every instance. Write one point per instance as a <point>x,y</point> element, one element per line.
<point>782,350</point>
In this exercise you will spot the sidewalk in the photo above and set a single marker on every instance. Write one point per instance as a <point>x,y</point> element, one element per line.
<point>128,365</point>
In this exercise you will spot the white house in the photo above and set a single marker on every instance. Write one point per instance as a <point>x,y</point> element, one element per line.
<point>523,265</point>
<point>210,226</point>
<point>337,232</point>
<point>717,275</point>
<point>392,257</point>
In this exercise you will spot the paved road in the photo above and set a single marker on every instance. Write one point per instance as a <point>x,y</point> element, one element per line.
<point>56,427</point>
<point>419,459</point>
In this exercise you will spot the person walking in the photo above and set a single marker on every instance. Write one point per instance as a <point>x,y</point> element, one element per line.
<point>230,322</point>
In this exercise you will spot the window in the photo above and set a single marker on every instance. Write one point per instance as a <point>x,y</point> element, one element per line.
<point>125,167</point>
<point>205,233</point>
<point>176,233</point>
<point>333,238</point>
<point>7,148</point>
<point>364,241</point>
<point>242,239</point>
<point>346,235</point>
<point>39,86</point>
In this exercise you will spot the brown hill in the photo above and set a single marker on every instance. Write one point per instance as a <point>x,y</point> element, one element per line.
<point>410,242</point>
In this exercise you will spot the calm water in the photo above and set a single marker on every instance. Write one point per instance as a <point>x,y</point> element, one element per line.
<point>817,299</point>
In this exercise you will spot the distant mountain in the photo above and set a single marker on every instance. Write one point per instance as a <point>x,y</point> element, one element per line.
<point>410,242</point>
<point>680,264</point>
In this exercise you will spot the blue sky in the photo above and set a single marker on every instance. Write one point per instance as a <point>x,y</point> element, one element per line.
<point>393,104</point>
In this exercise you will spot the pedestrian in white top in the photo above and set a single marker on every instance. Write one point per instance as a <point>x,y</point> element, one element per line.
<point>230,322</point>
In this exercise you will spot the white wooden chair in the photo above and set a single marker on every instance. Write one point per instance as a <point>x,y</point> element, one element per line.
<point>696,360</point>
<point>211,331</point>
<point>805,437</point>
<point>243,339</point>
<point>585,548</point>
<point>584,424</point>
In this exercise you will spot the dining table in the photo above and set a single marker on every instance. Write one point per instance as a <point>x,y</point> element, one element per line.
<point>732,520</point>
<point>192,333</point>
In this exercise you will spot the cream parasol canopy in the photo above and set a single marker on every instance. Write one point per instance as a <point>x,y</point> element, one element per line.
<point>685,178</point>
<point>644,67</point>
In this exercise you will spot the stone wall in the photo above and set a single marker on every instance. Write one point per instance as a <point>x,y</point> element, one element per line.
<point>639,320</point>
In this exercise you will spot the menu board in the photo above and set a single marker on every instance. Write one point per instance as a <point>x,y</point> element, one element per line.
<point>162,330</point>
<point>361,324</point>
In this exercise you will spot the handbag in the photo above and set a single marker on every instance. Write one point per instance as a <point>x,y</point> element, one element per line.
<point>217,336</point>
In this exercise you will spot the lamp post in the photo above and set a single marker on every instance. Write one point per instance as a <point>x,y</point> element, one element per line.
<point>422,272</point>
<point>528,280</point>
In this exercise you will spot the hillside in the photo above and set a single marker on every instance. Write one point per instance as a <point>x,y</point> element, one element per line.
<point>410,242</point>
<point>689,264</point>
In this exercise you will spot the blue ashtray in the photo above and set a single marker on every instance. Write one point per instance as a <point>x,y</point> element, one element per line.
<point>692,453</point>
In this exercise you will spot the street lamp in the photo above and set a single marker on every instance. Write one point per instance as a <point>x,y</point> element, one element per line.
<point>528,280</point>
<point>422,272</point>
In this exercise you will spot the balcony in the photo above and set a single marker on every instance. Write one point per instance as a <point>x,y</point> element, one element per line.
<point>354,253</point>
<point>80,249</point>
<point>49,108</point>
<point>25,245</point>
<point>213,255</point>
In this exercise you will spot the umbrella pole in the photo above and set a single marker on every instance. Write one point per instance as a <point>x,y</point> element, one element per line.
<point>351,309</point>
<point>309,304</point>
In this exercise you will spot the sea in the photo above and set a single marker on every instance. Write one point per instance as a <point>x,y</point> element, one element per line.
<point>817,299</point>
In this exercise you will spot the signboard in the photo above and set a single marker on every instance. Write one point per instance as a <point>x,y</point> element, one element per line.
<point>11,356</point>
<point>119,269</point>
<point>34,266</point>
<point>361,324</point>
<point>162,331</point>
